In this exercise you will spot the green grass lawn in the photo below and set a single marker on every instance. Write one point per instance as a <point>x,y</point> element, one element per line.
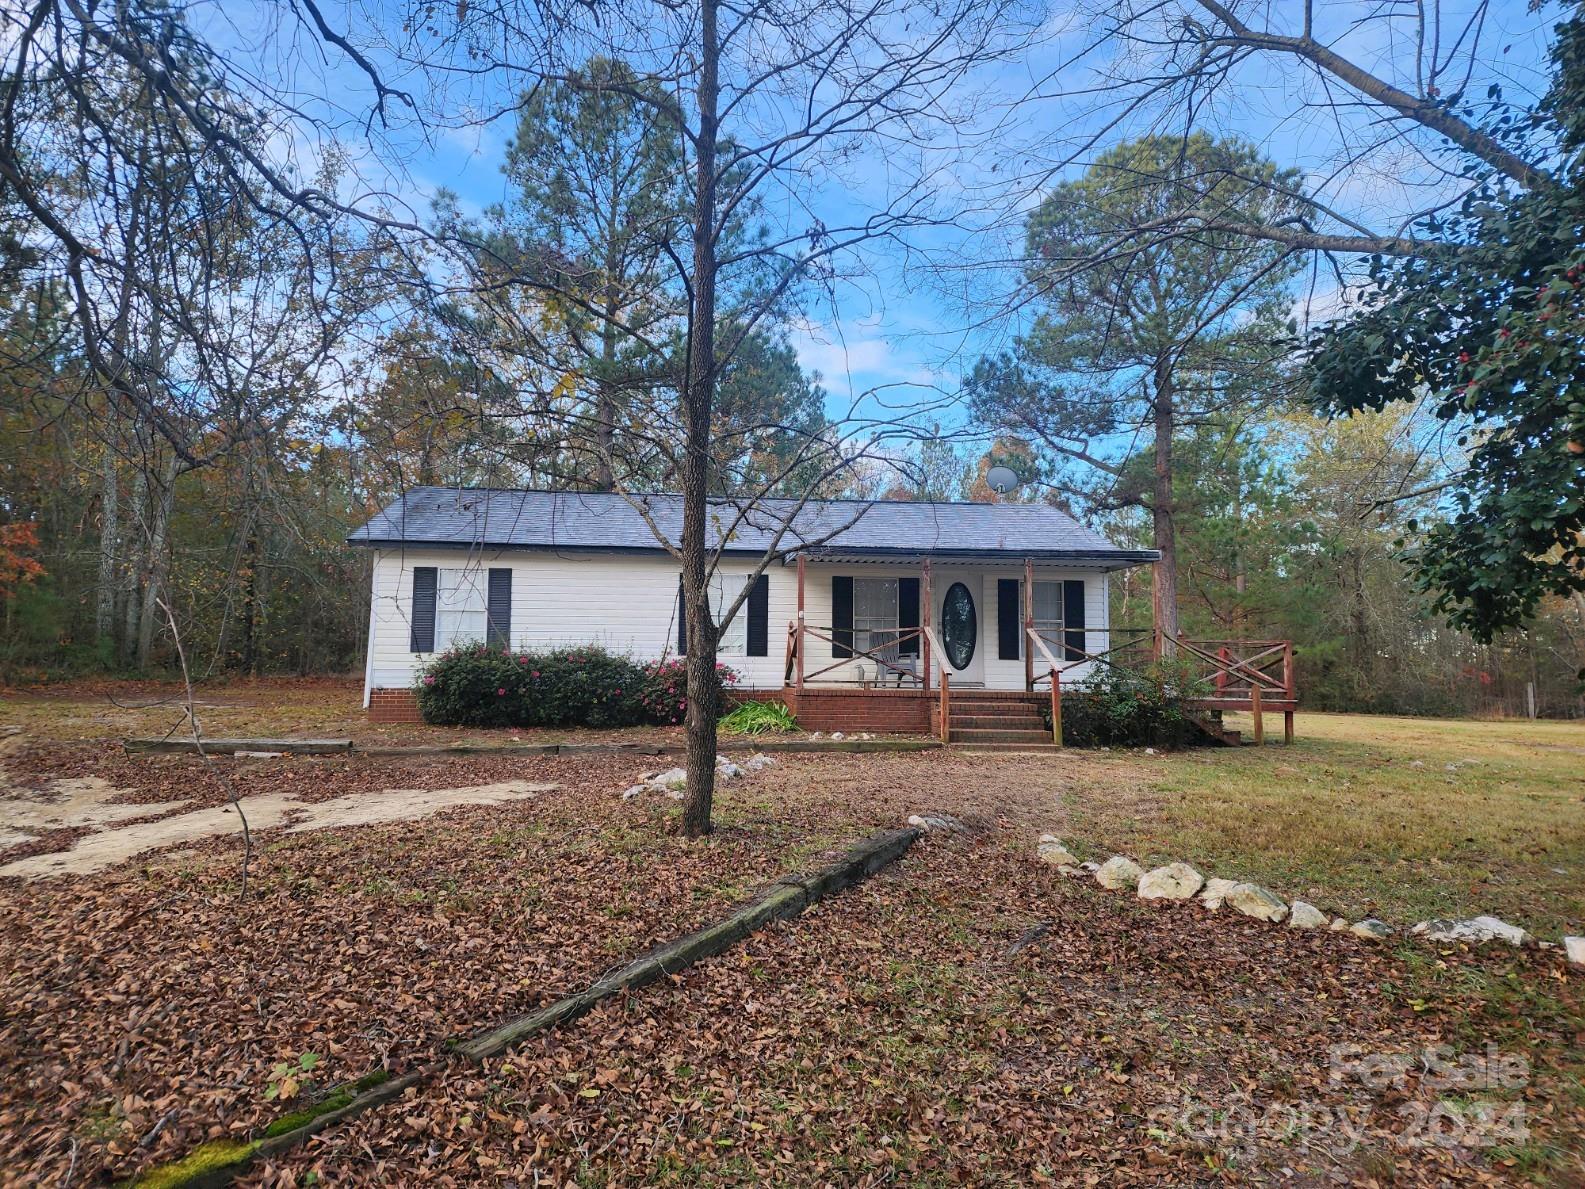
<point>1406,818</point>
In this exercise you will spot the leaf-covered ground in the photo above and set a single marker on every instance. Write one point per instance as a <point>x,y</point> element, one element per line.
<point>968,1017</point>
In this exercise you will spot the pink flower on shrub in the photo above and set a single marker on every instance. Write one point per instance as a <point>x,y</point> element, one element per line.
<point>500,693</point>
<point>535,673</point>
<point>429,681</point>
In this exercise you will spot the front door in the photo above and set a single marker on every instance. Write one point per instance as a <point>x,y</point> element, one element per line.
<point>960,627</point>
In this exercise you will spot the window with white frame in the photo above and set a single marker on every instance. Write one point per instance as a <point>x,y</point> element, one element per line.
<point>1048,617</point>
<point>875,622</point>
<point>461,606</point>
<point>734,637</point>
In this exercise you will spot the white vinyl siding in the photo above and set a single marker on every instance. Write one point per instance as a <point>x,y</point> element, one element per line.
<point>627,603</point>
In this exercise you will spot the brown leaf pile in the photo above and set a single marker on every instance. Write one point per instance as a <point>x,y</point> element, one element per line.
<point>142,1010</point>
<point>892,1035</point>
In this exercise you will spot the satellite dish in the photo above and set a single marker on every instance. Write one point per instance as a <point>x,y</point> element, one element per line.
<point>1001,479</point>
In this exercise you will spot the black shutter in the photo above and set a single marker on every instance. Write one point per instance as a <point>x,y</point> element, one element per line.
<point>1009,623</point>
<point>682,620</point>
<point>498,609</point>
<point>841,616</point>
<point>758,608</point>
<point>1073,618</point>
<point>908,615</point>
<point>423,634</point>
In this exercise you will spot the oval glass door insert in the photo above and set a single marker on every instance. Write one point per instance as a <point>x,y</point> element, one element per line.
<point>959,626</point>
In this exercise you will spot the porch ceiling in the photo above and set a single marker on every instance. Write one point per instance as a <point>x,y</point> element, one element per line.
<point>1120,559</point>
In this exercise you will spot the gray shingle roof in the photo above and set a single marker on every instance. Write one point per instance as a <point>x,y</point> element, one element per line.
<point>480,517</point>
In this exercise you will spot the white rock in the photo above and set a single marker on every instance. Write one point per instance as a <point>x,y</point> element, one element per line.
<point>672,778</point>
<point>1302,915</point>
<point>1216,891</point>
<point>638,789</point>
<point>936,821</point>
<point>725,769</point>
<point>1089,866</point>
<point>1338,925</point>
<point>1118,872</point>
<point>1372,930</point>
<point>1255,901</point>
<point>838,735</point>
<point>1175,881</point>
<point>1150,751</point>
<point>1052,851</point>
<point>1574,947</point>
<point>1474,931</point>
<point>757,761</point>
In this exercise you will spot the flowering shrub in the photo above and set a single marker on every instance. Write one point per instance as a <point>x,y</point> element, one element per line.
<point>475,685</point>
<point>665,696</point>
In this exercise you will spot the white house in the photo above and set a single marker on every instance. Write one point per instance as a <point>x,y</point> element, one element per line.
<point>864,609</point>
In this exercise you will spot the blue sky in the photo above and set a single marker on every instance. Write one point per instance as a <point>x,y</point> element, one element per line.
<point>904,332</point>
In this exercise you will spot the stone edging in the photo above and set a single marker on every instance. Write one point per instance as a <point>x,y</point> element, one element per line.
<point>274,747</point>
<point>1180,881</point>
<point>217,1162</point>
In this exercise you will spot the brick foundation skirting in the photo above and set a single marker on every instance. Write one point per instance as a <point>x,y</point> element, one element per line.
<point>901,711</point>
<point>393,705</point>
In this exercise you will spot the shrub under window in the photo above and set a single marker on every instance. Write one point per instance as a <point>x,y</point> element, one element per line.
<point>475,685</point>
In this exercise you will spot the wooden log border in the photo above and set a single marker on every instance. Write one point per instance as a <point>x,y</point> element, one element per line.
<point>218,1162</point>
<point>346,747</point>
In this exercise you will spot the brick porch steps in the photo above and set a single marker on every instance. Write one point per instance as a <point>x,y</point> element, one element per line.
<point>1009,747</point>
<point>999,735</point>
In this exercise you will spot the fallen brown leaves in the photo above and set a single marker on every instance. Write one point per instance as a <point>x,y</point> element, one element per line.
<point>142,1010</point>
<point>888,1036</point>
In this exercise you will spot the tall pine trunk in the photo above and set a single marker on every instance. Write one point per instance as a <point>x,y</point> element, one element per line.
<point>159,561</point>
<point>109,528</point>
<point>698,391</point>
<point>1166,571</point>
<point>137,551</point>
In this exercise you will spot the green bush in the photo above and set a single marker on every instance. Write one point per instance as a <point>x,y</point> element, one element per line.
<point>475,685</point>
<point>757,718</point>
<point>1128,708</point>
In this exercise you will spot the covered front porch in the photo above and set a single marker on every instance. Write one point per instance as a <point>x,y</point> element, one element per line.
<point>975,649</point>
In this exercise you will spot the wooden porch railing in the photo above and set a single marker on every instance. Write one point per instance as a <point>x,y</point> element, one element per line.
<point>1053,674</point>
<point>886,652</point>
<point>1248,675</point>
<point>934,651</point>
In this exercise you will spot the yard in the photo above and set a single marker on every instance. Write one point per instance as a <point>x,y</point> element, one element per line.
<point>969,1015</point>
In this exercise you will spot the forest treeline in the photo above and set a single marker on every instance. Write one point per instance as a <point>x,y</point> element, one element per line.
<point>213,366</point>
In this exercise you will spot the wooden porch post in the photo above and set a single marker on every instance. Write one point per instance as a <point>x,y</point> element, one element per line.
<point>800,623</point>
<point>1029,622</point>
<point>1056,707</point>
<point>926,601</point>
<point>1255,713</point>
<point>1289,680</point>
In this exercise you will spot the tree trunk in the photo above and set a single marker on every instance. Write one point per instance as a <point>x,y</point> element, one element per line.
<point>698,391</point>
<point>605,408</point>
<point>137,548</point>
<point>109,525</point>
<point>159,561</point>
<point>1166,570</point>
